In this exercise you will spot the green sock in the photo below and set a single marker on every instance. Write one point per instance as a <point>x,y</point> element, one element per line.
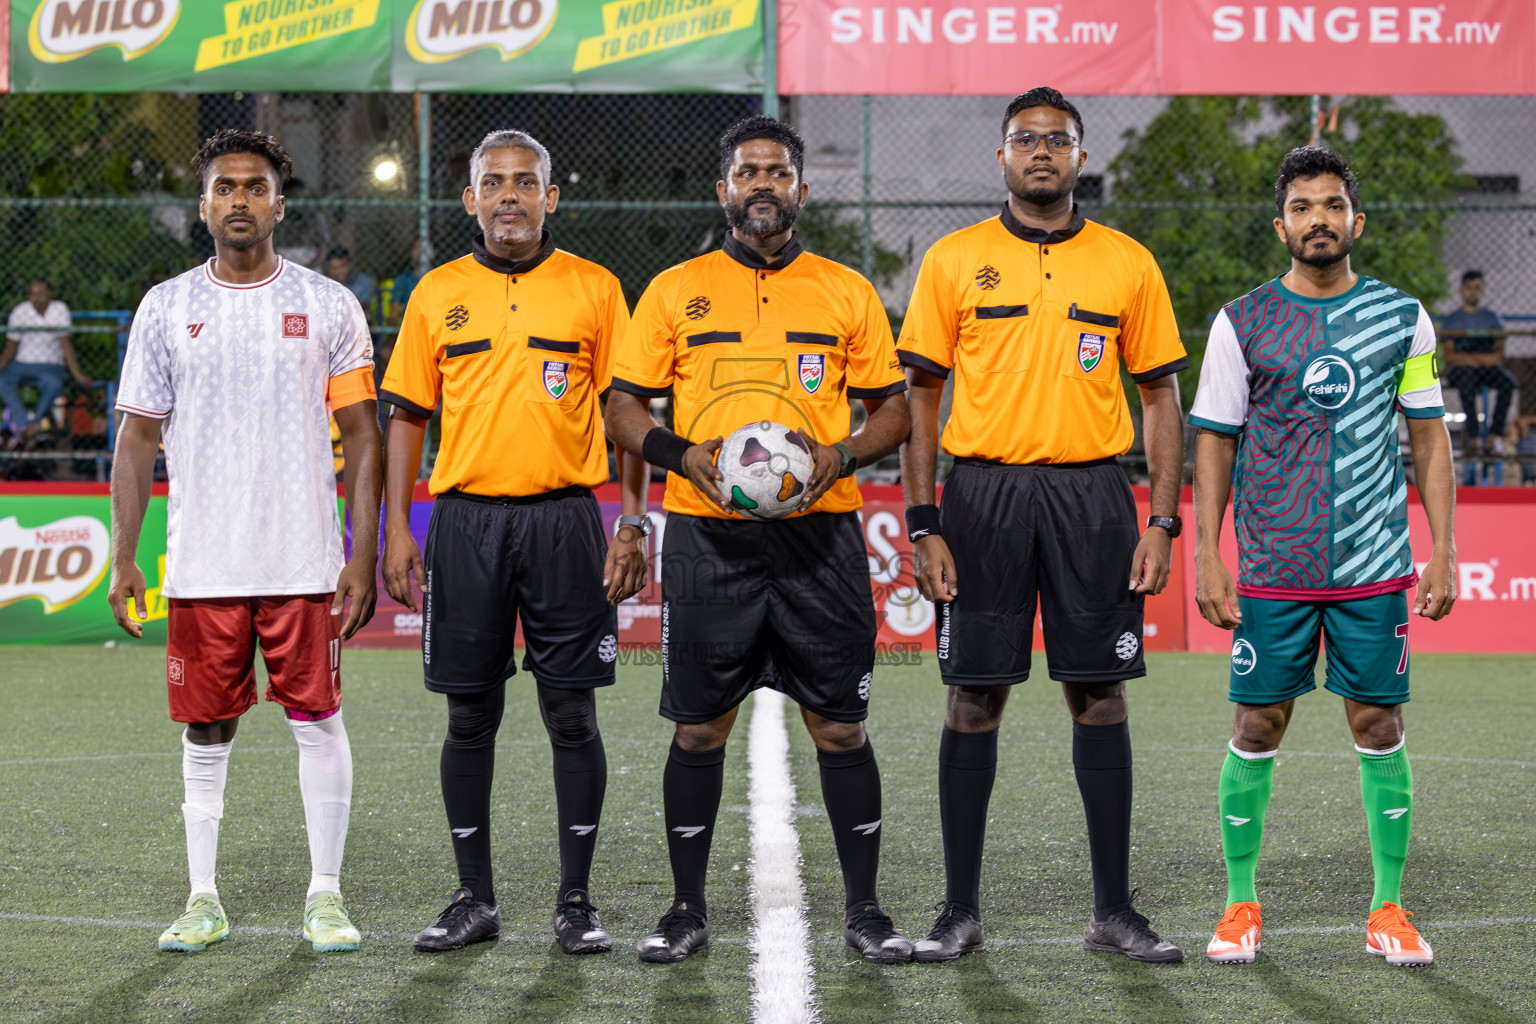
<point>1243,798</point>
<point>1386,787</point>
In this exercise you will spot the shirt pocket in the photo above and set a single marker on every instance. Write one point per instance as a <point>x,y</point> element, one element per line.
<point>468,373</point>
<point>1091,346</point>
<point>557,369</point>
<point>816,365</point>
<point>998,333</point>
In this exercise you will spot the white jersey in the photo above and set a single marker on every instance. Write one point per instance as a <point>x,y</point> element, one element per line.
<point>239,374</point>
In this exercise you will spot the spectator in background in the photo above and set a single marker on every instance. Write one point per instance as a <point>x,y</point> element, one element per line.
<point>1474,359</point>
<point>338,267</point>
<point>39,357</point>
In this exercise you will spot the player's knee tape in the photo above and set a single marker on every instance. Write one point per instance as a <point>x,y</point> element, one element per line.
<point>570,716</point>
<point>473,719</point>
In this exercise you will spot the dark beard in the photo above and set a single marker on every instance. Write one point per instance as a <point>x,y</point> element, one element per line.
<point>241,243</point>
<point>757,227</point>
<point>1320,260</point>
<point>1044,194</point>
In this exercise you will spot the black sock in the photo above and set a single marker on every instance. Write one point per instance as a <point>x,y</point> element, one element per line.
<point>850,787</point>
<point>967,769</point>
<point>468,766</point>
<point>581,779</point>
<point>1101,755</point>
<point>690,793</point>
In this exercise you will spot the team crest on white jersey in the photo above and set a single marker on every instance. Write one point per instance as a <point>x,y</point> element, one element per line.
<point>555,380</point>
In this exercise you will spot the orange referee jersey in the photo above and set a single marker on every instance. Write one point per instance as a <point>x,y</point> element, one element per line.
<point>734,340</point>
<point>520,354</point>
<point>1034,325</point>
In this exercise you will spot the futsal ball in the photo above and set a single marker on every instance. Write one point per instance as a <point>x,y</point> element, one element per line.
<point>766,467</point>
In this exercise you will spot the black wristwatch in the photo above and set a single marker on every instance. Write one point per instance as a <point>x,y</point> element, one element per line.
<point>850,461</point>
<point>1173,524</point>
<point>641,523</point>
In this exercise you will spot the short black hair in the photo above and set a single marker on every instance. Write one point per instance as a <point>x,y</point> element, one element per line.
<point>761,127</point>
<point>1043,96</point>
<point>1471,275</point>
<point>49,284</point>
<point>1309,162</point>
<point>234,140</point>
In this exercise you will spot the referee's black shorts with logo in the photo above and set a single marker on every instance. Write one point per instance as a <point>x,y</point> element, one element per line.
<point>783,604</point>
<point>490,561</point>
<point>1063,535</point>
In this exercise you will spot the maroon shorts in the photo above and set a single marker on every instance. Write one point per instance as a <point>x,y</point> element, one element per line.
<point>210,655</point>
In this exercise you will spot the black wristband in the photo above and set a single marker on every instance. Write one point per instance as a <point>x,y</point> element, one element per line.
<point>665,449</point>
<point>923,521</point>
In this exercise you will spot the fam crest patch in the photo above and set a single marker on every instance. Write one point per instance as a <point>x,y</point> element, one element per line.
<point>988,278</point>
<point>813,367</point>
<point>697,308</point>
<point>1090,350</point>
<point>555,380</point>
<point>457,317</point>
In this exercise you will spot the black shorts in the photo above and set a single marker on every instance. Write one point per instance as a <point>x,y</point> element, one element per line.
<point>1064,533</point>
<point>784,604</point>
<point>491,560</point>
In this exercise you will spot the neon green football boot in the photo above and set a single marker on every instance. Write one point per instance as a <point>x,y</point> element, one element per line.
<point>201,926</point>
<point>327,926</point>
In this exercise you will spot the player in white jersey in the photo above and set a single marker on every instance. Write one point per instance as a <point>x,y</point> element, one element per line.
<point>238,366</point>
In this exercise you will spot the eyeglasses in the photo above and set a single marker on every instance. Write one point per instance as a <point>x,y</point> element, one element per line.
<point>1028,142</point>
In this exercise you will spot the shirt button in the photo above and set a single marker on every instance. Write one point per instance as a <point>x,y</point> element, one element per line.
<point>1047,277</point>
<point>514,309</point>
<point>1046,251</point>
<point>762,277</point>
<point>765,298</point>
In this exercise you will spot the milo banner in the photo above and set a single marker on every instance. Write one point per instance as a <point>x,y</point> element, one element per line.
<point>381,45</point>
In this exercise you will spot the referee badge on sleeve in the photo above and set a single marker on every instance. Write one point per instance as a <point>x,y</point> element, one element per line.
<point>555,380</point>
<point>1090,349</point>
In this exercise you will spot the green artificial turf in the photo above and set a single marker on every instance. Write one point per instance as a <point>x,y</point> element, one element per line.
<point>91,834</point>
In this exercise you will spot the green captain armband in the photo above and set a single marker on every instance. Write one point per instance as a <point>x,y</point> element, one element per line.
<point>1419,372</point>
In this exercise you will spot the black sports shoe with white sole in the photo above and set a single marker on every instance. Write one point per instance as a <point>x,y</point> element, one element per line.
<point>956,933</point>
<point>577,927</point>
<point>681,931</point>
<point>1131,934</point>
<point>871,931</point>
<point>465,920</point>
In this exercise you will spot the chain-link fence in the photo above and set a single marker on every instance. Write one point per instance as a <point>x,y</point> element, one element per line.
<point>96,197</point>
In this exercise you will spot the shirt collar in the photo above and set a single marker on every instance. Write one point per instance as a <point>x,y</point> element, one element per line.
<point>748,257</point>
<point>492,262</point>
<point>1039,237</point>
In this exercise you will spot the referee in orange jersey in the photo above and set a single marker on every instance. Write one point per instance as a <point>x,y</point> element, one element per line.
<point>516,340</point>
<point>1033,311</point>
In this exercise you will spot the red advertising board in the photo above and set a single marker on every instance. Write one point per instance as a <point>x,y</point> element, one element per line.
<point>1460,47</point>
<point>1496,577</point>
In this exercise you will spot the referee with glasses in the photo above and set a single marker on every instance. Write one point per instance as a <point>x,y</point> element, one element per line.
<point>1033,311</point>
<point>516,339</point>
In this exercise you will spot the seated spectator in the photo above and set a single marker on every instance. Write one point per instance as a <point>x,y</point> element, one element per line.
<point>1523,432</point>
<point>338,267</point>
<point>1474,359</point>
<point>38,357</point>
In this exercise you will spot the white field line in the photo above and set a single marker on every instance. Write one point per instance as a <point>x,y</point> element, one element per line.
<point>782,990</point>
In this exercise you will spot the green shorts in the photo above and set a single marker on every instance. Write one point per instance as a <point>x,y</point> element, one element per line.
<point>1274,651</point>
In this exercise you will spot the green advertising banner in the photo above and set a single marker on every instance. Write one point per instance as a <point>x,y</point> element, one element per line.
<point>382,45</point>
<point>54,562</point>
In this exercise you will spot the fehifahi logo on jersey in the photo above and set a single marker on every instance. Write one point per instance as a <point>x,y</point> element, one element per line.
<point>440,30</point>
<point>1329,381</point>
<point>63,30</point>
<point>456,317</point>
<point>1244,657</point>
<point>1090,349</point>
<point>988,278</point>
<point>812,367</point>
<point>608,649</point>
<point>295,325</point>
<point>57,563</point>
<point>697,308</point>
<point>1126,646</point>
<point>555,381</point>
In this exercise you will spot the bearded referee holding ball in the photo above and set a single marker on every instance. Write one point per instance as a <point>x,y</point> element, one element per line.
<point>1032,311</point>
<point>516,340</point>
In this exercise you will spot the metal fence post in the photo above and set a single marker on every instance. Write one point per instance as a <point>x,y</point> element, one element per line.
<point>771,58</point>
<point>424,180</point>
<point>867,240</point>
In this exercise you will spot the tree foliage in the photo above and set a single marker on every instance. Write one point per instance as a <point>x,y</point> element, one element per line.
<point>1196,186</point>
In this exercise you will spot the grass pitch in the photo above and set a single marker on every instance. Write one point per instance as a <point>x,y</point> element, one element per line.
<point>92,861</point>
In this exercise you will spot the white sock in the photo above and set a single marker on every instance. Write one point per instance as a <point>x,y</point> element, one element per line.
<point>325,780</point>
<point>203,771</point>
